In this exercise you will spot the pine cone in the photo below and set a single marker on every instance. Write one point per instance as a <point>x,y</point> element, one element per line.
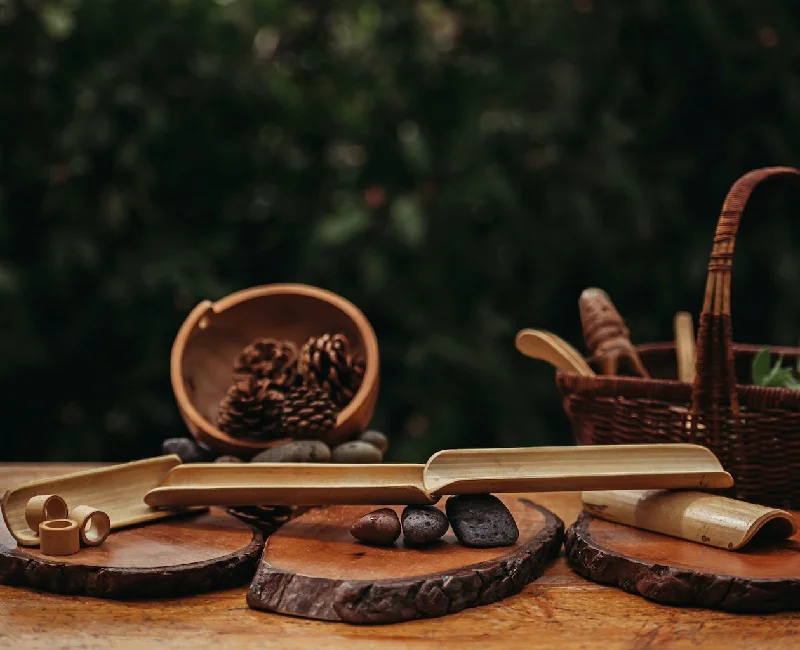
<point>308,412</point>
<point>326,361</point>
<point>251,409</point>
<point>267,358</point>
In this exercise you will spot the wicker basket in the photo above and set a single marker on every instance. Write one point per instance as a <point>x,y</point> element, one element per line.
<point>753,430</point>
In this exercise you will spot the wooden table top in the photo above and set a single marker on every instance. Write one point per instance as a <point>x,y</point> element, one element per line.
<point>560,610</point>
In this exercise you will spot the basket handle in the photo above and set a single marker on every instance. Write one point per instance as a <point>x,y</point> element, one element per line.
<point>714,389</point>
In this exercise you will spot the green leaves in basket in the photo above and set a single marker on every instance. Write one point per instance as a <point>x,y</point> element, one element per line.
<point>774,375</point>
<point>761,366</point>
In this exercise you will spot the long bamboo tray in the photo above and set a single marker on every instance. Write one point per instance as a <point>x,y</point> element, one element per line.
<point>460,471</point>
<point>301,484</point>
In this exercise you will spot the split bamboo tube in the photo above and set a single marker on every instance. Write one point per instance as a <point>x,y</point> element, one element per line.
<point>59,537</point>
<point>43,507</point>
<point>694,516</point>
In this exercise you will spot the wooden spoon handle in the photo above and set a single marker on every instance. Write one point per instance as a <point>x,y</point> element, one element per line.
<point>685,346</point>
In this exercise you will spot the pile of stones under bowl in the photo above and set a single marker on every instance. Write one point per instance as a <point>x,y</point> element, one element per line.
<point>369,448</point>
<point>478,520</point>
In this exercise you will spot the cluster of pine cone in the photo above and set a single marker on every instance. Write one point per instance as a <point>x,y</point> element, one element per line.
<point>280,391</point>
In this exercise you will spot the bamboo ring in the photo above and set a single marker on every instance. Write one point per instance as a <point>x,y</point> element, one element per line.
<point>43,507</point>
<point>93,524</point>
<point>59,537</point>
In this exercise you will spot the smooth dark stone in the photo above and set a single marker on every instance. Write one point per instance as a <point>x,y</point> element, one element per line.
<point>356,451</point>
<point>481,520</point>
<point>297,451</point>
<point>227,458</point>
<point>377,439</point>
<point>187,449</point>
<point>423,524</point>
<point>380,527</point>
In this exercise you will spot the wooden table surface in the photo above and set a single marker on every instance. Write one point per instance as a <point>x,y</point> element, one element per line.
<point>560,610</point>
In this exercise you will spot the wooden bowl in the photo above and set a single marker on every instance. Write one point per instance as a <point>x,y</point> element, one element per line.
<point>201,363</point>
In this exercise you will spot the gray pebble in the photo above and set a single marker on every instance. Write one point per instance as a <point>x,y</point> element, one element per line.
<point>423,524</point>
<point>227,458</point>
<point>187,449</point>
<point>356,451</point>
<point>380,527</point>
<point>481,520</point>
<point>377,439</point>
<point>297,451</point>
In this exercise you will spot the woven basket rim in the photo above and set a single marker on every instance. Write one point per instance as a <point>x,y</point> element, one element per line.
<point>674,390</point>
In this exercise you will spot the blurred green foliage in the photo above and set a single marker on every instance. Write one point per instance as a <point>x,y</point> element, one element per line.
<point>459,170</point>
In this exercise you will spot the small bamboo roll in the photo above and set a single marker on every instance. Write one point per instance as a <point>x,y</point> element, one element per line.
<point>699,517</point>
<point>93,524</point>
<point>43,507</point>
<point>59,537</point>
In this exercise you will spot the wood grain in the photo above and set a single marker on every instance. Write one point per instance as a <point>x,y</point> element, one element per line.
<point>313,567</point>
<point>559,610</point>
<point>196,553</point>
<point>762,578</point>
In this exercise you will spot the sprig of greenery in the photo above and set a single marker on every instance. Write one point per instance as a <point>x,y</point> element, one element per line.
<point>774,375</point>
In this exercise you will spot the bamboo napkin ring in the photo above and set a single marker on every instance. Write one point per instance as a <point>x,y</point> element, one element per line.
<point>43,507</point>
<point>93,524</point>
<point>59,537</point>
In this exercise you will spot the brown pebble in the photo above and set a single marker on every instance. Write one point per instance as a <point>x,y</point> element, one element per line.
<point>380,527</point>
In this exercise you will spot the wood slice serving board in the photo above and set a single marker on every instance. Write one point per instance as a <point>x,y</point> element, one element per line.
<point>313,567</point>
<point>192,554</point>
<point>762,577</point>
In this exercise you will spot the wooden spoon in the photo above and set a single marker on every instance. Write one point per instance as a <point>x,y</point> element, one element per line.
<point>684,346</point>
<point>539,344</point>
<point>454,471</point>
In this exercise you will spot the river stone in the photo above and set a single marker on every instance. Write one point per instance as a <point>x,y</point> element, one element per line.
<point>187,449</point>
<point>356,451</point>
<point>423,524</point>
<point>380,527</point>
<point>227,458</point>
<point>297,451</point>
<point>377,439</point>
<point>481,520</point>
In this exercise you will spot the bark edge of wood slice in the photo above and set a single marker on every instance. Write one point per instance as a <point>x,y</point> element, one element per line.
<point>295,591</point>
<point>694,576</point>
<point>193,554</point>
